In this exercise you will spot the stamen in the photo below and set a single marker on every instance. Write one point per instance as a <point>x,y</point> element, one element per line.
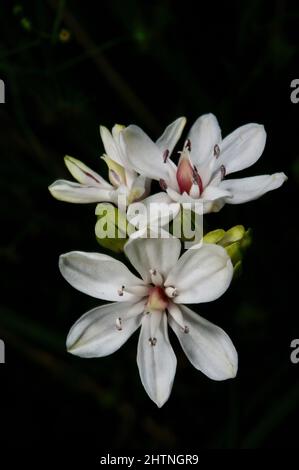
<point>186,329</point>
<point>156,277</point>
<point>188,145</point>
<point>121,291</point>
<point>194,191</point>
<point>171,292</point>
<point>216,151</point>
<point>165,155</point>
<point>152,341</point>
<point>118,324</point>
<point>137,290</point>
<point>197,179</point>
<point>223,171</point>
<point>163,184</point>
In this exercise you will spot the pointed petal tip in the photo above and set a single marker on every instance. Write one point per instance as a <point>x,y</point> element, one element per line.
<point>208,117</point>
<point>70,349</point>
<point>183,120</point>
<point>160,403</point>
<point>232,366</point>
<point>282,176</point>
<point>229,374</point>
<point>50,188</point>
<point>232,369</point>
<point>102,129</point>
<point>54,191</point>
<point>260,129</point>
<point>73,348</point>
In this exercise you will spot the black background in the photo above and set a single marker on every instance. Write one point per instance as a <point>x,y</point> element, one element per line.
<point>145,63</point>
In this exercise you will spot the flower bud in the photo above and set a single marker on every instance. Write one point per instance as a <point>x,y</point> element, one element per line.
<point>117,175</point>
<point>111,228</point>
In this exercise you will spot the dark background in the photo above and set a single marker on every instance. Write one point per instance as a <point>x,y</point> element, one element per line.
<point>146,63</point>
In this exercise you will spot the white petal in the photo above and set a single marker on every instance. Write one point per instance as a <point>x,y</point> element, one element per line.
<point>98,275</point>
<point>157,210</point>
<point>130,174</point>
<point>211,193</point>
<point>242,148</point>
<point>156,363</point>
<point>171,135</point>
<point>111,147</point>
<point>104,329</point>
<point>248,189</point>
<point>204,135</point>
<point>84,174</point>
<point>153,253</point>
<point>139,188</point>
<point>80,193</point>
<point>213,206</point>
<point>180,198</point>
<point>201,274</point>
<point>144,155</point>
<point>208,347</point>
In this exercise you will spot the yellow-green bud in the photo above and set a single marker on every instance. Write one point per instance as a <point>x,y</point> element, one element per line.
<point>112,227</point>
<point>236,240</point>
<point>215,236</point>
<point>117,175</point>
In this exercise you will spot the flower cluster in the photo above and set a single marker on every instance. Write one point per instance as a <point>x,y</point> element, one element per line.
<point>168,276</point>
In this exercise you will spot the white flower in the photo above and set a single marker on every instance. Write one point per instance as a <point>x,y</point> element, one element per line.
<point>123,179</point>
<point>205,161</point>
<point>156,299</point>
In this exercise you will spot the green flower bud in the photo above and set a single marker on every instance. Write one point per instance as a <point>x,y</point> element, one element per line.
<point>232,235</point>
<point>215,236</point>
<point>236,240</point>
<point>112,227</point>
<point>117,175</point>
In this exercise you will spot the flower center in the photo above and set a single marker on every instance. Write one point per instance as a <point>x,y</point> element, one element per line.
<point>188,178</point>
<point>157,299</point>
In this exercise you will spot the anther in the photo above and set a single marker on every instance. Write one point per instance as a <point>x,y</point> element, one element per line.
<point>223,171</point>
<point>152,341</point>
<point>186,329</point>
<point>197,179</point>
<point>165,155</point>
<point>171,292</point>
<point>121,291</point>
<point>188,145</point>
<point>216,151</point>
<point>156,277</point>
<point>163,184</point>
<point>118,324</point>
